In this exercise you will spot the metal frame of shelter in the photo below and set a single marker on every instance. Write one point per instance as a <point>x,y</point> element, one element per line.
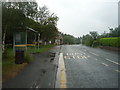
<point>20,39</point>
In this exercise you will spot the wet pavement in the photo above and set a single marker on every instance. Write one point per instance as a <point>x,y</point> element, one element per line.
<point>41,73</point>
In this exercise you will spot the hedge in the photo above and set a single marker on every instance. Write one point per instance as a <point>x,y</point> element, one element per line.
<point>112,41</point>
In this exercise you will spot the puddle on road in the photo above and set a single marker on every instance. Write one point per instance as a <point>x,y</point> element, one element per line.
<point>43,71</point>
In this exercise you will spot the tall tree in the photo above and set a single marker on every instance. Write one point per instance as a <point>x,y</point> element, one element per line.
<point>68,39</point>
<point>87,40</point>
<point>15,12</point>
<point>94,35</point>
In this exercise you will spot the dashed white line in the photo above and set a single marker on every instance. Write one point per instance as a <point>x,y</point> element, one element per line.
<point>105,64</point>
<point>112,61</point>
<point>74,57</point>
<point>88,56</point>
<point>78,57</point>
<point>37,87</point>
<point>94,54</point>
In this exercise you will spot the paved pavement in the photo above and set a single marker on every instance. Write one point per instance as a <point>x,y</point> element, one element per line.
<point>88,67</point>
<point>39,74</point>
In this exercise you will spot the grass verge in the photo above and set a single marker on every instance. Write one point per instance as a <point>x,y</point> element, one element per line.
<point>41,49</point>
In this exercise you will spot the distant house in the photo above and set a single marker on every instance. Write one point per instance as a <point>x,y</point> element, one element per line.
<point>59,39</point>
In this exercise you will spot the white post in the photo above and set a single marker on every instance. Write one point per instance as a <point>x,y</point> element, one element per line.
<point>35,42</point>
<point>14,42</point>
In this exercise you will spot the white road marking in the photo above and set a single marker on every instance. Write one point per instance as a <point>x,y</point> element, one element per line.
<point>94,54</point>
<point>67,54</point>
<point>78,57</point>
<point>37,87</point>
<point>105,64</point>
<point>88,56</point>
<point>112,61</point>
<point>84,57</point>
<point>117,70</point>
<point>74,57</point>
<point>65,57</point>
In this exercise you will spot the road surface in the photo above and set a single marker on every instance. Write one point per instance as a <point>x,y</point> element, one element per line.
<point>87,67</point>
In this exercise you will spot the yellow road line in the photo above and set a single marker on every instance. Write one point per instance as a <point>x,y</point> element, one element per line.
<point>62,73</point>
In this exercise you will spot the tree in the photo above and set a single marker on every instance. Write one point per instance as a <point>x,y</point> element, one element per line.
<point>10,14</point>
<point>48,24</point>
<point>94,35</point>
<point>27,14</point>
<point>87,40</point>
<point>78,40</point>
<point>68,39</point>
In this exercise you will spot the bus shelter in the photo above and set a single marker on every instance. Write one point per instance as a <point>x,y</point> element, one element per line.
<point>22,40</point>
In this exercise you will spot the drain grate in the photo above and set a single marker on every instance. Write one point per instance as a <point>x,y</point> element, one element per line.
<point>52,54</point>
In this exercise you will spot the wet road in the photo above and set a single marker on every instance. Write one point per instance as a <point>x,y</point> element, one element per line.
<point>87,67</point>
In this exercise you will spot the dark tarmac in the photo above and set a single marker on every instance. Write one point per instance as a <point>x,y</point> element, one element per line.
<point>88,67</point>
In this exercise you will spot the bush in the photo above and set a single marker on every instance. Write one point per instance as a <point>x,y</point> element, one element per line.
<point>8,55</point>
<point>95,43</point>
<point>113,41</point>
<point>28,57</point>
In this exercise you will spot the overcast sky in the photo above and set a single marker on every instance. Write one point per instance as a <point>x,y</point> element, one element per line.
<point>78,17</point>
